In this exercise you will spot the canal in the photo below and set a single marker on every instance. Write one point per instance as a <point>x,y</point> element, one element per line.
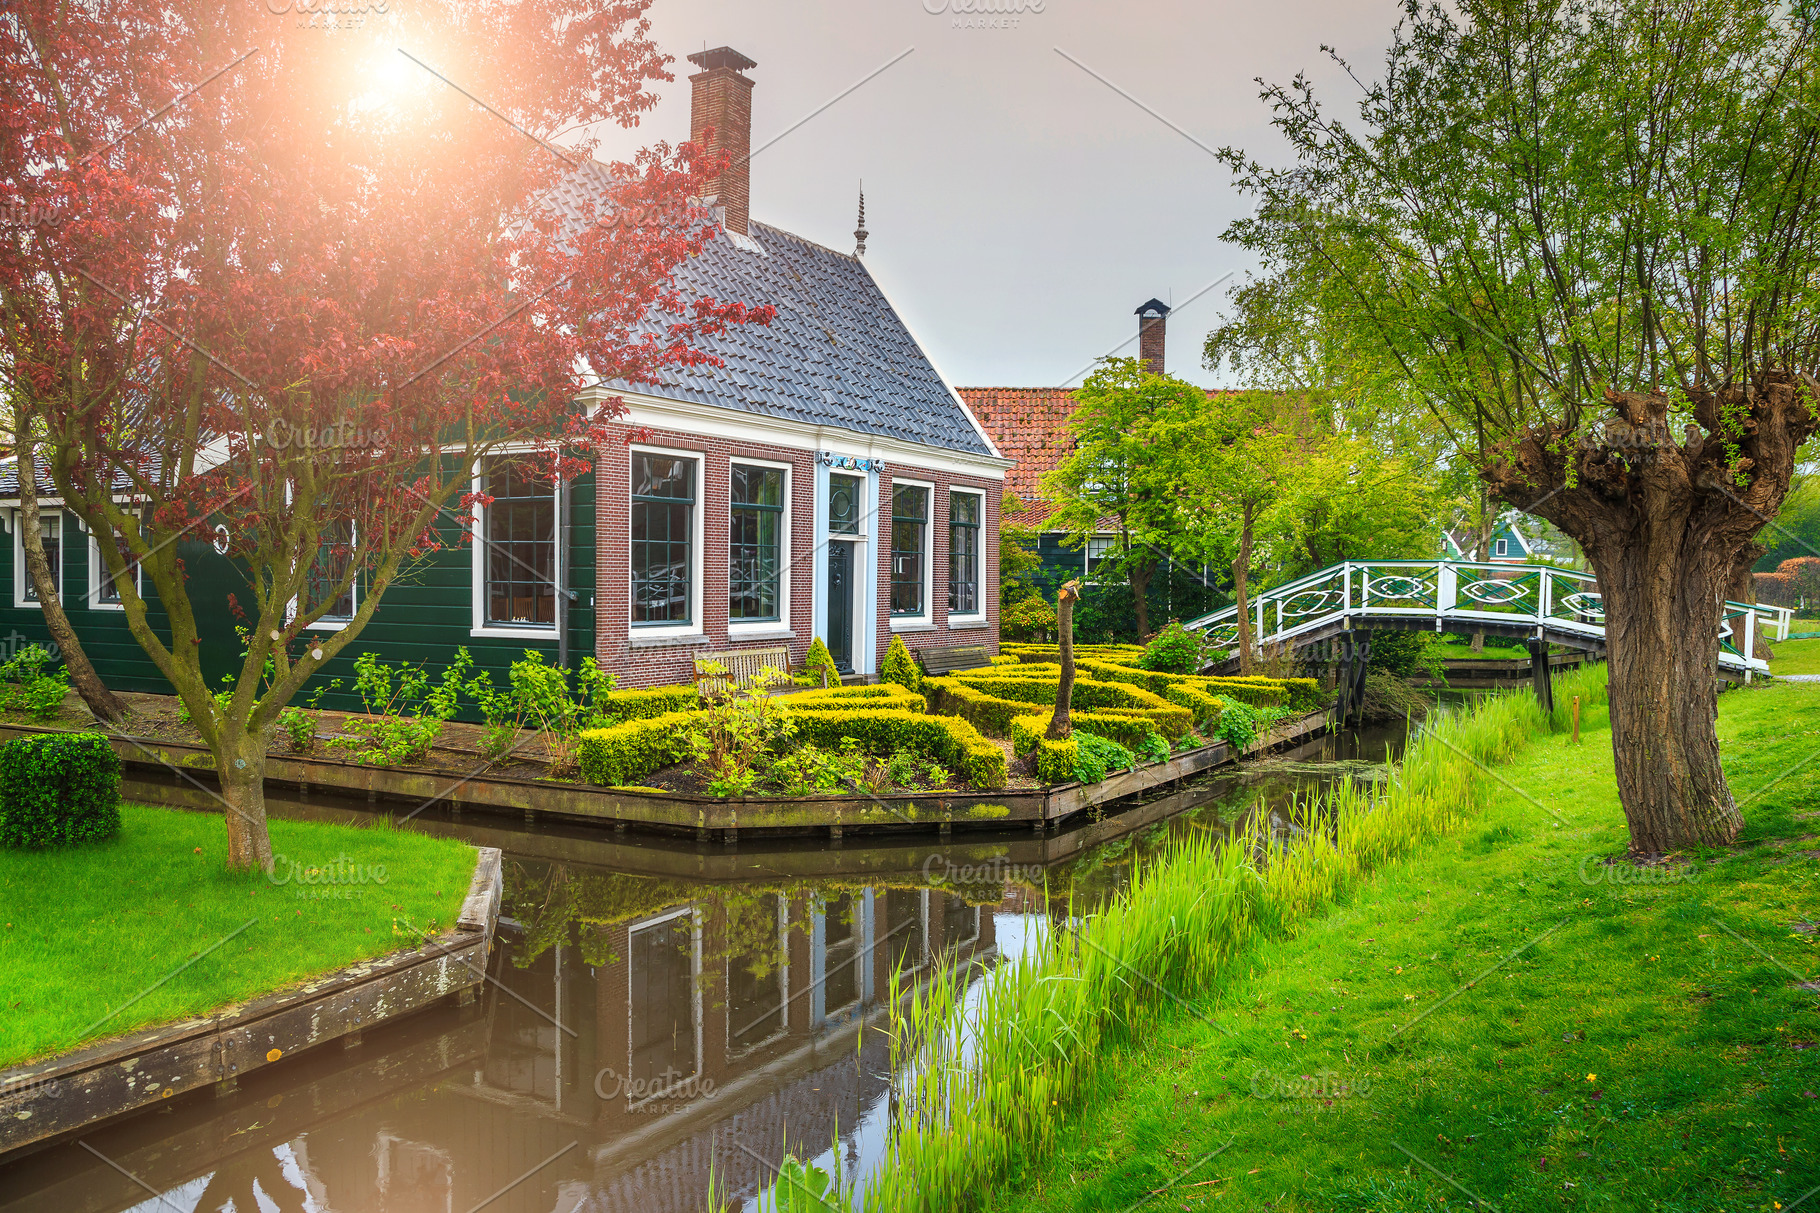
<point>656,1012</point>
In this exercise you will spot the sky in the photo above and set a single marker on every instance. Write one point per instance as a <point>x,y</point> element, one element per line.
<point>1020,208</point>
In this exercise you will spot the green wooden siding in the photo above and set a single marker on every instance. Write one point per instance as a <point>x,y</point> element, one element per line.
<point>426,615</point>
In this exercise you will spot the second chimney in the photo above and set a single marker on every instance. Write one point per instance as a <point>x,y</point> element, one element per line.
<point>1152,319</point>
<point>722,99</point>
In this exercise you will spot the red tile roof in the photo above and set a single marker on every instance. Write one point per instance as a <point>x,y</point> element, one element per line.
<point>1030,425</point>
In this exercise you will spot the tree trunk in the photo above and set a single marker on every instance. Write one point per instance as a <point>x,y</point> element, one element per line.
<point>1241,590</point>
<point>1061,725</point>
<point>243,796</point>
<point>1662,612</point>
<point>102,702</point>
<point>1482,553</point>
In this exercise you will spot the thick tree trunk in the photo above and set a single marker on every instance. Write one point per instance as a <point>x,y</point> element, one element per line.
<point>242,771</point>
<point>1061,725</point>
<point>1241,591</point>
<point>102,702</point>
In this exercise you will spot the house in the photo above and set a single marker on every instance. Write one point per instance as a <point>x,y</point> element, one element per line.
<point>1508,544</point>
<point>825,480</point>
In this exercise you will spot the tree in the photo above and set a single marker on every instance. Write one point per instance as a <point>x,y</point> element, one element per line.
<point>1351,501</point>
<point>1585,233</point>
<point>303,305</point>
<point>1115,475</point>
<point>1061,724</point>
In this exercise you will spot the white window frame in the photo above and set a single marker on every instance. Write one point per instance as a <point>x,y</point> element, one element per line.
<point>20,576</point>
<point>1500,547</point>
<point>477,544</point>
<point>734,1049</point>
<point>925,620</point>
<point>694,996</point>
<point>969,619</point>
<point>749,627</point>
<point>336,624</point>
<point>1112,545</point>
<point>697,625</point>
<point>99,578</point>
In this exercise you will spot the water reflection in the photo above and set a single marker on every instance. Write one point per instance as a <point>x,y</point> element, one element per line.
<point>656,1012</point>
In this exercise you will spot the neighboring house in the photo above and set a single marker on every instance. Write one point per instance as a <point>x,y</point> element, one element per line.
<point>825,481</point>
<point>1508,544</point>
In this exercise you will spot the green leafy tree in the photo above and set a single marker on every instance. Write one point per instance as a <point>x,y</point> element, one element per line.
<point>1587,236</point>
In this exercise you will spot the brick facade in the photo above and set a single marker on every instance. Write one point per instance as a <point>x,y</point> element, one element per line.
<point>939,635</point>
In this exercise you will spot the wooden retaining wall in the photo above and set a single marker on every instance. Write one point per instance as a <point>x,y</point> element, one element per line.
<point>48,1098</point>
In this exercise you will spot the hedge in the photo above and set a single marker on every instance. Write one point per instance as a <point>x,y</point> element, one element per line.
<point>1205,706</point>
<point>1055,760</point>
<point>948,739</point>
<point>646,702</point>
<point>1298,694</point>
<point>58,788</point>
<point>621,753</point>
<point>990,705</point>
<point>1132,732</point>
<point>873,695</point>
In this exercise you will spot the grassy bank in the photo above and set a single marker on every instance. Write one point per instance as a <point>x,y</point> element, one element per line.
<point>1053,1030</point>
<point>150,926</point>
<point>1795,657</point>
<point>1501,1015</point>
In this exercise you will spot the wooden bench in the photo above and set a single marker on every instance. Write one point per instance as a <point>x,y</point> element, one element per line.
<point>947,661</point>
<point>741,666</point>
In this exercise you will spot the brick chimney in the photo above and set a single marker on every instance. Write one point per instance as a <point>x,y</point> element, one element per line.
<point>1153,317</point>
<point>723,100</point>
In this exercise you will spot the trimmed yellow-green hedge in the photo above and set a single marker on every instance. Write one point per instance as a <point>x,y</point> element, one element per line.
<point>642,703</point>
<point>1135,733</point>
<point>1055,760</point>
<point>621,753</point>
<point>1298,694</point>
<point>1204,705</point>
<point>950,740</point>
<point>835,699</point>
<point>991,700</point>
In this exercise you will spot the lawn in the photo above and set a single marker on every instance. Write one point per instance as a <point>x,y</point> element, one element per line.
<point>90,932</point>
<point>1795,657</point>
<point>1453,648</point>
<point>1502,1016</point>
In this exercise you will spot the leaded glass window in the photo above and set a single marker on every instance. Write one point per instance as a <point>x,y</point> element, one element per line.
<point>909,525</point>
<point>50,535</point>
<point>845,494</point>
<point>755,544</point>
<point>521,549</point>
<point>663,534</point>
<point>963,553</point>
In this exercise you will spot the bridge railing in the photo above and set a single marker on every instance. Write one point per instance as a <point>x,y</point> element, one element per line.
<point>1462,592</point>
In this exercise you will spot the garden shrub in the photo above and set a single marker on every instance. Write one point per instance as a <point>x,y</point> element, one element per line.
<point>1176,650</point>
<point>646,702</point>
<point>1031,619</point>
<point>620,753</point>
<point>990,714</point>
<point>26,687</point>
<point>990,704</point>
<point>742,726</point>
<point>839,698</point>
<point>1006,659</point>
<point>819,662</point>
<point>1096,757</point>
<point>1203,704</point>
<point>1055,760</point>
<point>1240,724</point>
<point>947,739</point>
<point>405,712</point>
<point>57,789</point>
<point>900,667</point>
<point>1133,732</point>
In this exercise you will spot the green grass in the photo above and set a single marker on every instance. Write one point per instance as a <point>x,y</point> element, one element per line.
<point>1495,650</point>
<point>88,930</point>
<point>1795,657</point>
<point>1542,1038</point>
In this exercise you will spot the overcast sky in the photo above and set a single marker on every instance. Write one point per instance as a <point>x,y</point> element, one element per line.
<point>1020,209</point>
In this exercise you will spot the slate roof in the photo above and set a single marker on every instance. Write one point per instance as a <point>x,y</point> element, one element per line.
<point>9,479</point>
<point>837,354</point>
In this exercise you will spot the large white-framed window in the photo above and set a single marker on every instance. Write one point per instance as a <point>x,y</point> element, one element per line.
<point>966,557</point>
<point>663,1003</point>
<point>911,504</point>
<point>665,542</point>
<point>103,592</point>
<point>334,549</point>
<point>50,530</point>
<point>1099,549</point>
<point>516,562</point>
<point>758,545</point>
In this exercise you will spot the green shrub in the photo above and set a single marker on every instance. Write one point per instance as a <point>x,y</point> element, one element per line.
<point>1031,619</point>
<point>1056,760</point>
<point>1240,724</point>
<point>1175,650</point>
<point>26,687</point>
<point>405,711</point>
<point>57,789</point>
<point>646,702</point>
<point>819,662</point>
<point>620,753</point>
<point>900,667</point>
<point>1005,659</point>
<point>1133,732</point>
<point>1204,705</point>
<point>838,698</point>
<point>949,740</point>
<point>990,714</point>
<point>1095,757</point>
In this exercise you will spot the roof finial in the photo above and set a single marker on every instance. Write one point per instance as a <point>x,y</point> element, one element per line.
<point>860,232</point>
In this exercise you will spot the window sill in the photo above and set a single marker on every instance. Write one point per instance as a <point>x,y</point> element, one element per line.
<point>335,625</point>
<point>26,602</point>
<point>768,632</point>
<point>966,621</point>
<point>667,641</point>
<point>523,633</point>
<point>913,625</point>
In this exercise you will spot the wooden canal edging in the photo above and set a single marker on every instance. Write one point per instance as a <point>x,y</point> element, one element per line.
<point>705,815</point>
<point>48,1098</point>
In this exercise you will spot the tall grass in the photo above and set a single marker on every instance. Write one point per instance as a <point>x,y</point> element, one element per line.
<point>987,1077</point>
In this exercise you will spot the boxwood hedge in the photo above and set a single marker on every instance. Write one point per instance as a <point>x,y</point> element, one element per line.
<point>621,753</point>
<point>949,740</point>
<point>58,788</point>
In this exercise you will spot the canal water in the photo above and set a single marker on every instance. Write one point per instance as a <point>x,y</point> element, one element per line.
<point>658,1012</point>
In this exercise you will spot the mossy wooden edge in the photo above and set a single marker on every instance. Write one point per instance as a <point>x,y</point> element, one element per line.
<point>61,1094</point>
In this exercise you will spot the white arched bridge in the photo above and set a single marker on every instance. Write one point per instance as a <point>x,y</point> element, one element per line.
<point>1535,603</point>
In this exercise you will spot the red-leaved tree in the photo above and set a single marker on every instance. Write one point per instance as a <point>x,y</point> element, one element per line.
<point>243,231</point>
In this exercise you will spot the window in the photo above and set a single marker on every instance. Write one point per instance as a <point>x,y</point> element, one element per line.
<point>104,592</point>
<point>662,989</point>
<point>909,534</point>
<point>845,493</point>
<point>1501,548</point>
<point>755,544</point>
<point>1100,548</point>
<point>521,549</point>
<point>663,532</point>
<point>963,553</point>
<point>334,551</point>
<point>50,532</point>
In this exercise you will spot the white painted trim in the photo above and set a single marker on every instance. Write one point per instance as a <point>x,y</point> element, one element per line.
<point>969,619</point>
<point>694,984</point>
<point>743,627</point>
<point>695,626</point>
<point>477,555</point>
<point>708,421</point>
<point>98,575</point>
<point>926,617</point>
<point>19,573</point>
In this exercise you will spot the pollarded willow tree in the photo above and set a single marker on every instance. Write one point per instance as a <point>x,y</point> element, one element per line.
<point>298,285</point>
<point>1588,234</point>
